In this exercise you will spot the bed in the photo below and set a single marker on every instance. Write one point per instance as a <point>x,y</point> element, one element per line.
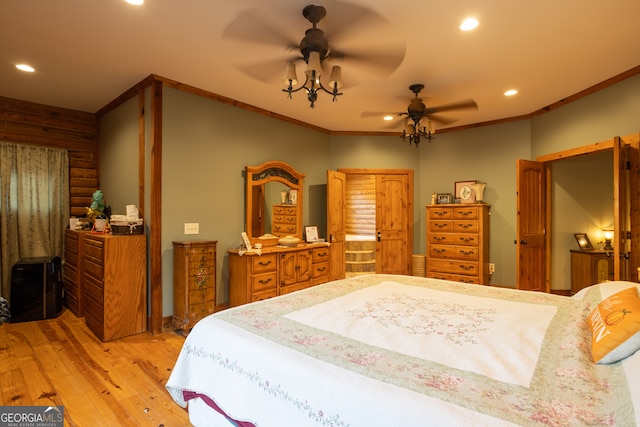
<point>389,350</point>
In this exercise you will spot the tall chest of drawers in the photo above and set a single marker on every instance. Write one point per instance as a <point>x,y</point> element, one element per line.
<point>72,271</point>
<point>285,220</point>
<point>458,242</point>
<point>194,282</point>
<point>115,284</point>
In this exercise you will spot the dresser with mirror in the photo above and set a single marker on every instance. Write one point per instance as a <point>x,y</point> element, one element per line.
<point>280,261</point>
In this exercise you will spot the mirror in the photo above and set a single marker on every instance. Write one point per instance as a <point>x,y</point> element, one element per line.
<point>273,200</point>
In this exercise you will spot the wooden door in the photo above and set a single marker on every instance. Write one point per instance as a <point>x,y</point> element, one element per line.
<point>394,239</point>
<point>531,205</point>
<point>336,183</point>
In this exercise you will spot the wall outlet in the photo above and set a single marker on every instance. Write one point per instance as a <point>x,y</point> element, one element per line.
<point>191,228</point>
<point>492,268</point>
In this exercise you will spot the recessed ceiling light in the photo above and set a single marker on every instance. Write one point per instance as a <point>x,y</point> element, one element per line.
<point>387,118</point>
<point>510,92</point>
<point>469,24</point>
<point>25,67</point>
<point>135,2</point>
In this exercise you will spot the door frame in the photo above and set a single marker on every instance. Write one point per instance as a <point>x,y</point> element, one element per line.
<point>626,207</point>
<point>410,199</point>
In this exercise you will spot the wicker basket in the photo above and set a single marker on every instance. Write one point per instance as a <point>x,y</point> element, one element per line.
<point>119,230</point>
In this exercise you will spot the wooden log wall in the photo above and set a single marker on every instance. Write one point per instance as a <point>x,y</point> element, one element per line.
<point>36,124</point>
<point>360,205</point>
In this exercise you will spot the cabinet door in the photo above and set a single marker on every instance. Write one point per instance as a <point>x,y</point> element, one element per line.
<point>288,269</point>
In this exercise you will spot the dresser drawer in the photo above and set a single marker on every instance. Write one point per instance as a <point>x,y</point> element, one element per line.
<point>470,212</point>
<point>437,225</point>
<point>441,213</point>
<point>259,296</point>
<point>94,291</point>
<point>454,239</point>
<point>453,266</point>
<point>321,254</point>
<point>284,219</point>
<point>285,210</point>
<point>263,282</point>
<point>281,229</point>
<point>455,278</point>
<point>320,269</point>
<point>466,226</point>
<point>263,263</point>
<point>70,273</point>
<point>467,253</point>
<point>93,248</point>
<point>93,268</point>
<point>70,258</point>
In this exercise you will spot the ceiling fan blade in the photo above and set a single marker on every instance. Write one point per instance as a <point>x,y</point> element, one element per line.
<point>368,114</point>
<point>346,20</point>
<point>380,61</point>
<point>252,26</point>
<point>440,119</point>
<point>456,106</point>
<point>273,71</point>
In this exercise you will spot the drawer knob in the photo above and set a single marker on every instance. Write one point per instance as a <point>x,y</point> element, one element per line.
<point>467,239</point>
<point>263,281</point>
<point>264,263</point>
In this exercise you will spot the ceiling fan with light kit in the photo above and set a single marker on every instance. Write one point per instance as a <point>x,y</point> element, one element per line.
<point>413,127</point>
<point>343,42</point>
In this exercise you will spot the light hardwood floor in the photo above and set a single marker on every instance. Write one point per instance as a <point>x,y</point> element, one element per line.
<point>118,383</point>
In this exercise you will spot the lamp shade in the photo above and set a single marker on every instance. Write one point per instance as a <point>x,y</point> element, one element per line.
<point>313,65</point>
<point>608,234</point>
<point>291,74</point>
<point>336,77</point>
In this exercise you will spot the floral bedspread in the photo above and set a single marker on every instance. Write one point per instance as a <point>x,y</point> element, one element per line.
<point>399,350</point>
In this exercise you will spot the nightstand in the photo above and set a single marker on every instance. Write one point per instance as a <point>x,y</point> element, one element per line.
<point>589,268</point>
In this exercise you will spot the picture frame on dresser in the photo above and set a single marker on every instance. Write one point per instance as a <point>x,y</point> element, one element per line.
<point>444,198</point>
<point>293,196</point>
<point>464,191</point>
<point>583,241</point>
<point>311,233</point>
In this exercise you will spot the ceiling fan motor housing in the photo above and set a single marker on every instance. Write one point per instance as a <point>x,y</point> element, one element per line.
<point>314,41</point>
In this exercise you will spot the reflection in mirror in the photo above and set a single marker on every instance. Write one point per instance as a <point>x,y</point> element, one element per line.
<point>273,200</point>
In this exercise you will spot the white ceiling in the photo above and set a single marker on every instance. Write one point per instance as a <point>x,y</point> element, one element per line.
<point>86,53</point>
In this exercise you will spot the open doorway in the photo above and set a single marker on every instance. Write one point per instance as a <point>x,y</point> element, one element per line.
<point>360,224</point>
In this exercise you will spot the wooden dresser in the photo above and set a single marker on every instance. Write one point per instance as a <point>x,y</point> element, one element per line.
<point>114,284</point>
<point>72,271</point>
<point>589,268</point>
<point>194,283</point>
<point>285,220</point>
<point>458,242</point>
<point>277,271</point>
